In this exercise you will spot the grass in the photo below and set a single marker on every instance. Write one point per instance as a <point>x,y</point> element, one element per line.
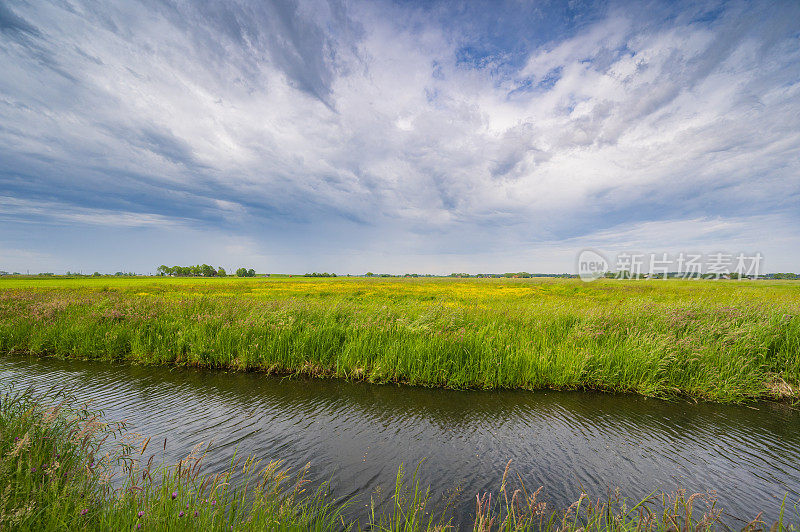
<point>726,341</point>
<point>63,468</point>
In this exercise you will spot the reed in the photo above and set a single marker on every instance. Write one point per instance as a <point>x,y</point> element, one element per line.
<point>725,341</point>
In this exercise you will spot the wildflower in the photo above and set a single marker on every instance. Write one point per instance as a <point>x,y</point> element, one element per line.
<point>187,505</point>
<point>84,511</point>
<point>213,502</point>
<point>195,513</point>
<point>138,526</point>
<point>141,513</point>
<point>174,494</point>
<point>180,514</point>
<point>33,470</point>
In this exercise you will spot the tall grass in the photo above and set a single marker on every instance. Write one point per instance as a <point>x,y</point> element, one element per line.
<point>63,468</point>
<point>717,340</point>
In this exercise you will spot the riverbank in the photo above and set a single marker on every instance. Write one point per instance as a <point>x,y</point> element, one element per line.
<point>63,467</point>
<point>726,341</point>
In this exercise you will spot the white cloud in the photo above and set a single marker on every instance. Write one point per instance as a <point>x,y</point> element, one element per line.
<point>49,213</point>
<point>154,116</point>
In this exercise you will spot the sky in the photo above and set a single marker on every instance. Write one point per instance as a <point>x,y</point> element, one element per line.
<point>410,136</point>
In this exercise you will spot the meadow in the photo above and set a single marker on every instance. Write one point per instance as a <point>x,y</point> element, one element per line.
<point>727,341</point>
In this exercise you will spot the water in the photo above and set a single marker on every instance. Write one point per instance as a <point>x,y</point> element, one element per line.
<point>357,434</point>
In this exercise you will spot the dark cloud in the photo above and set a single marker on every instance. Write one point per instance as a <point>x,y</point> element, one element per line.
<point>12,23</point>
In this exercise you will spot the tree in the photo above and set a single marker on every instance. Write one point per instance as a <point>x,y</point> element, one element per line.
<point>204,270</point>
<point>369,274</point>
<point>251,272</point>
<point>241,272</point>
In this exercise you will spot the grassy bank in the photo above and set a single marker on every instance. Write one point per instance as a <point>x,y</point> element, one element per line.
<point>62,468</point>
<point>716,340</point>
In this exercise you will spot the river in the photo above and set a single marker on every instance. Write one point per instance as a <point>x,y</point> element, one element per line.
<point>357,434</point>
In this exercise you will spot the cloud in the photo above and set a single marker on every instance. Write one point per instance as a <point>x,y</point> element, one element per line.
<point>11,23</point>
<point>53,213</point>
<point>373,126</point>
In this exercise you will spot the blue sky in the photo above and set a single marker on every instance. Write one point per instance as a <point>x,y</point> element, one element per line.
<point>296,136</point>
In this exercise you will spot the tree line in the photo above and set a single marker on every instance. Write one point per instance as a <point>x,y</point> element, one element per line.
<point>201,270</point>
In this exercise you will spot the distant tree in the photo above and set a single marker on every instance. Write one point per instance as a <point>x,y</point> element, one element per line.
<point>200,270</point>
<point>96,274</point>
<point>369,274</point>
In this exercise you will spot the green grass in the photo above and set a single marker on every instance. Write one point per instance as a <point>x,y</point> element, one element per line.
<point>63,468</point>
<point>724,341</point>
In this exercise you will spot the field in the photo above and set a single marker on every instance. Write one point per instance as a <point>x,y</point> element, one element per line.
<point>714,340</point>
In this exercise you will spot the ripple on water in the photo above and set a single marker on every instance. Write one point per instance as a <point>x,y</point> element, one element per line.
<point>358,434</point>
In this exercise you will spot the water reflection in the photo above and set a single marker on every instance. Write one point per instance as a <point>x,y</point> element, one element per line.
<point>357,434</point>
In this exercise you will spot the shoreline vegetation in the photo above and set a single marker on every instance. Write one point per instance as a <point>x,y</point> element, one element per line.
<point>728,341</point>
<point>64,468</point>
